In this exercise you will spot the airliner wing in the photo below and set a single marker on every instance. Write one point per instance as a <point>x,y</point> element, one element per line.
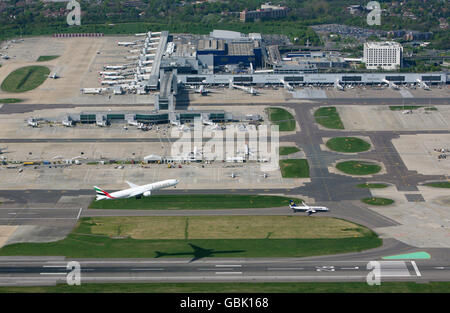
<point>131,184</point>
<point>135,194</point>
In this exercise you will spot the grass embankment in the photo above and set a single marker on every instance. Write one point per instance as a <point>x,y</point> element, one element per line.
<point>282,118</point>
<point>240,236</point>
<point>25,78</point>
<point>411,107</point>
<point>294,168</point>
<point>44,58</point>
<point>288,150</point>
<point>372,185</point>
<point>377,201</point>
<point>328,117</point>
<point>358,167</point>
<point>348,144</point>
<point>193,202</point>
<point>346,287</point>
<point>442,184</point>
<point>10,100</point>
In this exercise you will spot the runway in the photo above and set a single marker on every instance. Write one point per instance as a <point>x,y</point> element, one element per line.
<point>51,271</point>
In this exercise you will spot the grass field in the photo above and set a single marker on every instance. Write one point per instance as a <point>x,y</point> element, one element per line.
<point>377,201</point>
<point>372,186</point>
<point>101,238</point>
<point>44,58</point>
<point>442,184</point>
<point>351,287</point>
<point>358,167</point>
<point>193,202</point>
<point>328,117</point>
<point>294,168</point>
<point>347,144</point>
<point>10,100</point>
<point>224,227</point>
<point>25,78</point>
<point>282,118</point>
<point>288,150</point>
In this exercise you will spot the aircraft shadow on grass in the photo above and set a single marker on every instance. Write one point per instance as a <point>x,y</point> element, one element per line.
<point>198,252</point>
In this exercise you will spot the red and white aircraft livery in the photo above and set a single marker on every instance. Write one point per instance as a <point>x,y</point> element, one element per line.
<point>134,190</point>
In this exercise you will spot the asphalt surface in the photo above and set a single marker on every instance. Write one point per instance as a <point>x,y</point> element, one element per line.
<point>39,207</point>
<point>24,108</point>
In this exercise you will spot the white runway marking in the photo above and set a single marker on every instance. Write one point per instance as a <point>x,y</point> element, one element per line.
<point>284,268</point>
<point>147,269</point>
<point>394,269</point>
<point>79,214</point>
<point>416,269</point>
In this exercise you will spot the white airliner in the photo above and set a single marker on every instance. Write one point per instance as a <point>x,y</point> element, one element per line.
<point>305,208</point>
<point>202,90</point>
<point>134,190</point>
<point>338,86</point>
<point>126,43</point>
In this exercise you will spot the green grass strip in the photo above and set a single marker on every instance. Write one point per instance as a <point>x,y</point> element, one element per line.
<point>267,287</point>
<point>294,168</point>
<point>348,144</point>
<point>358,167</point>
<point>44,58</point>
<point>194,202</point>
<point>328,117</point>
<point>377,201</point>
<point>25,79</point>
<point>282,118</point>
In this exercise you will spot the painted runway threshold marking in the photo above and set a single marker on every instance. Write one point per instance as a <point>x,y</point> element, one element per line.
<point>416,269</point>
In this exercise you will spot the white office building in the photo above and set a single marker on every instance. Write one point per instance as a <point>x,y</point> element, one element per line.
<point>385,55</point>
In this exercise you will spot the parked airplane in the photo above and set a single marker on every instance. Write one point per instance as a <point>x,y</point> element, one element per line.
<point>93,91</point>
<point>54,76</point>
<point>181,127</point>
<point>287,85</point>
<point>102,123</point>
<point>67,123</point>
<point>202,90</point>
<point>134,190</point>
<point>249,90</point>
<point>107,77</point>
<point>338,86</point>
<point>126,43</point>
<point>109,73</point>
<point>422,84</point>
<point>114,67</point>
<point>305,208</point>
<point>33,122</point>
<point>391,85</point>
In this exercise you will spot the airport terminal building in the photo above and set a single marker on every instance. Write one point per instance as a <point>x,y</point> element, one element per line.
<point>254,59</point>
